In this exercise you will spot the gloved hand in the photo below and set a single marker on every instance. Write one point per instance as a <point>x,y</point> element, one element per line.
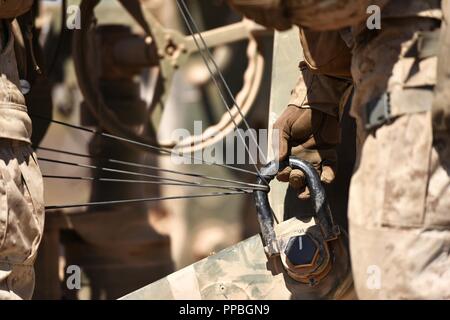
<point>269,13</point>
<point>14,8</point>
<point>309,135</point>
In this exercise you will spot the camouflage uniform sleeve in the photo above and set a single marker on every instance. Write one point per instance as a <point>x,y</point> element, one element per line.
<point>269,13</point>
<point>21,184</point>
<point>329,15</point>
<point>14,120</point>
<point>326,76</point>
<point>326,53</point>
<point>14,8</point>
<point>317,15</point>
<point>320,92</point>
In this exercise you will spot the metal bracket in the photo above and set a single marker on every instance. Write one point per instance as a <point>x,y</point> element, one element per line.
<point>322,212</point>
<point>377,112</point>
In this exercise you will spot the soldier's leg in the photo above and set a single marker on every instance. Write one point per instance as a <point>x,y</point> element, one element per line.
<point>21,218</point>
<point>399,214</point>
<point>21,185</point>
<point>399,197</point>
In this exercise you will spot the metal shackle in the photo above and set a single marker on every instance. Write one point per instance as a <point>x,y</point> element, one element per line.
<point>322,212</point>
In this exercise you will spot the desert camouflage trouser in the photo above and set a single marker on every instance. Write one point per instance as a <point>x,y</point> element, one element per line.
<point>399,207</point>
<point>21,185</point>
<point>21,218</point>
<point>399,213</point>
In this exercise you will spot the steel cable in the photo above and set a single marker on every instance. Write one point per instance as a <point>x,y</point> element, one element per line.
<point>101,203</point>
<point>148,146</point>
<point>193,29</point>
<point>133,173</point>
<point>190,22</point>
<point>144,166</point>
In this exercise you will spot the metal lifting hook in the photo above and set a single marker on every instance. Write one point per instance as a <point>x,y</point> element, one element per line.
<point>306,257</point>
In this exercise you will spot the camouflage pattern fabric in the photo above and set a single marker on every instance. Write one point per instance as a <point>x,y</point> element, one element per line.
<point>14,8</point>
<point>270,13</point>
<point>318,15</point>
<point>399,214</point>
<point>21,218</point>
<point>320,91</point>
<point>398,208</point>
<point>335,61</point>
<point>244,272</point>
<point>21,185</point>
<point>330,15</point>
<point>14,120</point>
<point>399,197</point>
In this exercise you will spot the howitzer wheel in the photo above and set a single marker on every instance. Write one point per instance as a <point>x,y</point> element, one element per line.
<point>169,61</point>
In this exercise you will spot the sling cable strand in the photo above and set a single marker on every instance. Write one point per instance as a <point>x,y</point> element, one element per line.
<point>163,151</point>
<point>193,29</point>
<point>155,168</point>
<point>186,16</point>
<point>212,186</point>
<point>87,166</point>
<point>237,191</point>
<point>127,201</point>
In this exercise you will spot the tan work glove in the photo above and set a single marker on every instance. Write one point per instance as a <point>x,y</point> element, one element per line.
<point>269,13</point>
<point>310,135</point>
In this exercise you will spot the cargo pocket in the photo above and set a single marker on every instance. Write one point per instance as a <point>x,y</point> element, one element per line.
<point>409,152</point>
<point>24,223</point>
<point>437,213</point>
<point>33,194</point>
